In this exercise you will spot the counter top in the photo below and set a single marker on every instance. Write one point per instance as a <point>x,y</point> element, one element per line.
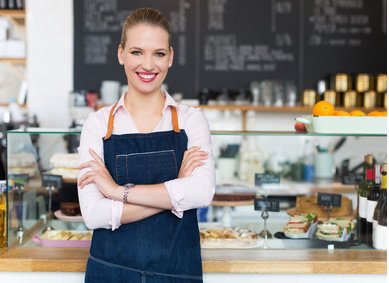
<point>214,261</point>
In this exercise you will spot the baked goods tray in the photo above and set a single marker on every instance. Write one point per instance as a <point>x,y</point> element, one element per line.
<point>344,124</point>
<point>54,239</point>
<point>314,243</point>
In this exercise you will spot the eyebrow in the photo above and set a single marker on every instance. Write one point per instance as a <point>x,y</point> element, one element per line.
<point>138,48</point>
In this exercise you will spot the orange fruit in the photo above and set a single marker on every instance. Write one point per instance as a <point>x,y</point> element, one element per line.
<point>382,114</point>
<point>357,113</point>
<point>341,113</point>
<point>323,108</point>
<point>374,114</point>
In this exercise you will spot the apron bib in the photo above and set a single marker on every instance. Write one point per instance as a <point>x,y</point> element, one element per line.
<point>162,247</point>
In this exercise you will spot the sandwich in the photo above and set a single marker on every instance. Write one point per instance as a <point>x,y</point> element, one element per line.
<point>329,231</point>
<point>300,223</point>
<point>343,223</point>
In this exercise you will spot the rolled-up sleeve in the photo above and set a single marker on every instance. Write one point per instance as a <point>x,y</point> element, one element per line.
<point>198,189</point>
<point>97,211</point>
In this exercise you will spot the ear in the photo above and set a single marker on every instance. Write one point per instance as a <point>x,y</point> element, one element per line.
<point>120,55</point>
<point>171,57</point>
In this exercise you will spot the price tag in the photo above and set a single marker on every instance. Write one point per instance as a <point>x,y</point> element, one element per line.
<point>269,204</point>
<point>19,179</point>
<point>334,200</point>
<point>265,179</point>
<point>49,180</point>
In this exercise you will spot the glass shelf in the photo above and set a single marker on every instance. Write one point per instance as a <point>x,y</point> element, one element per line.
<point>288,133</point>
<point>214,133</point>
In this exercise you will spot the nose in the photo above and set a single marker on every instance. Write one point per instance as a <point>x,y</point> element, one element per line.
<point>148,63</point>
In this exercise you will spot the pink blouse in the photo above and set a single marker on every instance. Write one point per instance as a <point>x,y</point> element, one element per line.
<point>186,193</point>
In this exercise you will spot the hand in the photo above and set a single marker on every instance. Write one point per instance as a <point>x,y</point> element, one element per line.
<point>98,175</point>
<point>192,159</point>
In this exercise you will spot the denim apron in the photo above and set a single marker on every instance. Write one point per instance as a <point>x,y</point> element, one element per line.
<point>160,248</point>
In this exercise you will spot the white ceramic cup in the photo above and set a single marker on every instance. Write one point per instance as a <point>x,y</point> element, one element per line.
<point>227,168</point>
<point>324,166</point>
<point>110,91</point>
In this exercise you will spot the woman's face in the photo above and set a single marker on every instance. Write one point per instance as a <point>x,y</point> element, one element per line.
<point>146,57</point>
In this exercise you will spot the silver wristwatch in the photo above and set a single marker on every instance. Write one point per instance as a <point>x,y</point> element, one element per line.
<point>127,188</point>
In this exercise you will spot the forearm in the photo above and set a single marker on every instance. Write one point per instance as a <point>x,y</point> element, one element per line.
<point>153,196</point>
<point>133,213</point>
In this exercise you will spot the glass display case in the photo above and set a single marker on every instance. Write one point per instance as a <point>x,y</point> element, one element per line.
<point>42,189</point>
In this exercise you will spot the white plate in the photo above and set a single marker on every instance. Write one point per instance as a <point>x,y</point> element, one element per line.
<point>67,218</point>
<point>344,124</point>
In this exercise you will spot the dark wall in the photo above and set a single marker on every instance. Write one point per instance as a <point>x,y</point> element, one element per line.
<point>229,43</point>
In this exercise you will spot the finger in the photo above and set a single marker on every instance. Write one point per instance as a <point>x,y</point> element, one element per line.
<point>197,157</point>
<point>96,157</point>
<point>87,181</point>
<point>194,165</point>
<point>197,154</point>
<point>84,165</point>
<point>188,171</point>
<point>86,176</point>
<point>188,163</point>
<point>90,164</point>
<point>189,153</point>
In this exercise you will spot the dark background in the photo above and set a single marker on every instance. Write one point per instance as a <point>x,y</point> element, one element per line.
<point>230,43</point>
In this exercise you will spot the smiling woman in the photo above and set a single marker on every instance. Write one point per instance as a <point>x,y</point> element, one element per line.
<point>146,165</point>
<point>146,55</point>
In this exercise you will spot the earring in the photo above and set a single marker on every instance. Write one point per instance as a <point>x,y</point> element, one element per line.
<point>170,65</point>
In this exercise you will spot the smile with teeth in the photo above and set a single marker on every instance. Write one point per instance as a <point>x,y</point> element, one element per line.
<point>147,77</point>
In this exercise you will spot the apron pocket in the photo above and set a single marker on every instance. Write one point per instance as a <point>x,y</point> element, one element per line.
<point>155,167</point>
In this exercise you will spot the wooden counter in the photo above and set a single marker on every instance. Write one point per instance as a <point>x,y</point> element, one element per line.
<point>214,261</point>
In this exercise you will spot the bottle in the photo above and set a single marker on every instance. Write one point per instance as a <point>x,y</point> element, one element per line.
<point>3,213</point>
<point>372,199</point>
<point>377,240</point>
<point>381,231</point>
<point>308,161</point>
<point>362,199</point>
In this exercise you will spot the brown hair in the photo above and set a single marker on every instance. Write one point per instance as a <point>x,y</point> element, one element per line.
<point>144,16</point>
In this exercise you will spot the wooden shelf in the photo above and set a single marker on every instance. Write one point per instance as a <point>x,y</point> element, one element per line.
<point>15,14</point>
<point>19,61</point>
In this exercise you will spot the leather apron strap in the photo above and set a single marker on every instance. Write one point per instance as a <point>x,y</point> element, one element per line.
<point>110,122</point>
<point>176,127</point>
<point>173,110</point>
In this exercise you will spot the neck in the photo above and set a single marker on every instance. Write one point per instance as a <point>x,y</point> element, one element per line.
<point>141,104</point>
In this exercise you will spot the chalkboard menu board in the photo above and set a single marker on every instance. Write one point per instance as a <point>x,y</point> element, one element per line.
<point>230,43</point>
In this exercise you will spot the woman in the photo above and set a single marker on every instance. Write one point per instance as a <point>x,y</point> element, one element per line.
<point>146,165</point>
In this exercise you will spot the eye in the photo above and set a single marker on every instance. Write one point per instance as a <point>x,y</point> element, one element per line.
<point>136,53</point>
<point>160,54</point>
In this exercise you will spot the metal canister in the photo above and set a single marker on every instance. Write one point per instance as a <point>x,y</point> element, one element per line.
<point>369,99</point>
<point>362,83</point>
<point>342,82</point>
<point>330,96</point>
<point>309,97</point>
<point>381,83</point>
<point>350,99</point>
